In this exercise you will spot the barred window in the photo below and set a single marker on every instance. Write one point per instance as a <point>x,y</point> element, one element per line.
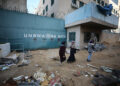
<point>72,36</point>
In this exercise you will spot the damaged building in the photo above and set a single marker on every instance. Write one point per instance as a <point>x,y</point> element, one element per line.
<point>86,20</point>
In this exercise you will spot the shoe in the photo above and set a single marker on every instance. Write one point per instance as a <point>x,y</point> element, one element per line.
<point>88,60</point>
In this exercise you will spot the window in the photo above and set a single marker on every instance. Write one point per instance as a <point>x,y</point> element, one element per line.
<point>114,11</point>
<point>72,36</point>
<point>98,1</point>
<point>43,12</point>
<point>46,8</point>
<point>52,15</point>
<point>87,36</point>
<point>43,1</point>
<point>102,3</point>
<point>74,1</point>
<point>81,4</point>
<point>52,2</point>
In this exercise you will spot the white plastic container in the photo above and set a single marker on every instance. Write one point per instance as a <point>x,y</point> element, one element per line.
<point>4,50</point>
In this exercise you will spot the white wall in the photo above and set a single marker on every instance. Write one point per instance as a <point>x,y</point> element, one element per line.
<point>77,39</point>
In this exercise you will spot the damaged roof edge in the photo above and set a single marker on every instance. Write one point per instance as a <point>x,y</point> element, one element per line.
<point>92,20</point>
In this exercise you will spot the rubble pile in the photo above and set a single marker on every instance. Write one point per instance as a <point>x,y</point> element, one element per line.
<point>38,79</point>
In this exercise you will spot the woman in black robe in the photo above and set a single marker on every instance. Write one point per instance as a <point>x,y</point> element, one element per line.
<point>62,52</point>
<point>72,53</point>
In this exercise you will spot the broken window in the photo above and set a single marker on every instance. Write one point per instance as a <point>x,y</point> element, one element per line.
<point>43,1</point>
<point>72,36</point>
<point>74,1</point>
<point>52,2</point>
<point>81,4</point>
<point>46,8</point>
<point>52,15</point>
<point>87,36</point>
<point>43,12</point>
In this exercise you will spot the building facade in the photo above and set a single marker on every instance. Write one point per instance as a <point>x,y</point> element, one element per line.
<point>16,5</point>
<point>86,20</point>
<point>60,8</point>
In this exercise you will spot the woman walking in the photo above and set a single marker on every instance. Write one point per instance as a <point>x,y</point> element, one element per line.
<point>62,52</point>
<point>72,53</point>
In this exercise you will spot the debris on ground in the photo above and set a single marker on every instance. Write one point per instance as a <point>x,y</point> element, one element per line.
<point>18,78</point>
<point>2,68</point>
<point>10,82</point>
<point>89,65</point>
<point>106,69</point>
<point>6,62</point>
<point>102,80</point>
<point>28,55</point>
<point>24,63</point>
<point>97,47</point>
<point>80,66</point>
<point>56,59</point>
<point>38,79</point>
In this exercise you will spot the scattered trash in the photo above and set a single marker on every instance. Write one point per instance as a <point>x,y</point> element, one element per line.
<point>94,70</point>
<point>116,73</point>
<point>28,54</point>
<point>56,59</point>
<point>4,68</point>
<point>88,74</point>
<point>80,66</point>
<point>24,63</point>
<point>101,80</point>
<point>89,65</point>
<point>77,74</point>
<point>28,84</point>
<point>52,75</point>
<point>10,82</point>
<point>97,47</point>
<point>106,69</point>
<point>40,75</point>
<point>6,61</point>
<point>18,78</point>
<point>37,65</point>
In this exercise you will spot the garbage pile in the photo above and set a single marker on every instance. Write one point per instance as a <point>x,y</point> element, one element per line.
<point>6,62</point>
<point>107,77</point>
<point>97,47</point>
<point>38,79</point>
<point>111,79</point>
<point>25,59</point>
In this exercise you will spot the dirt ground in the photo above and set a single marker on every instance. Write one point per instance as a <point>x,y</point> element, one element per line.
<point>109,57</point>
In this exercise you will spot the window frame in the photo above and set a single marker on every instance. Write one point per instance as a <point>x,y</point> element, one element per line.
<point>80,2</point>
<point>74,1</point>
<point>46,8</point>
<point>52,15</point>
<point>52,2</point>
<point>72,36</point>
<point>43,12</point>
<point>43,1</point>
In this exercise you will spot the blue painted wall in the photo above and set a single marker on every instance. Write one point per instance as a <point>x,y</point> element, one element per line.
<point>34,32</point>
<point>87,11</point>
